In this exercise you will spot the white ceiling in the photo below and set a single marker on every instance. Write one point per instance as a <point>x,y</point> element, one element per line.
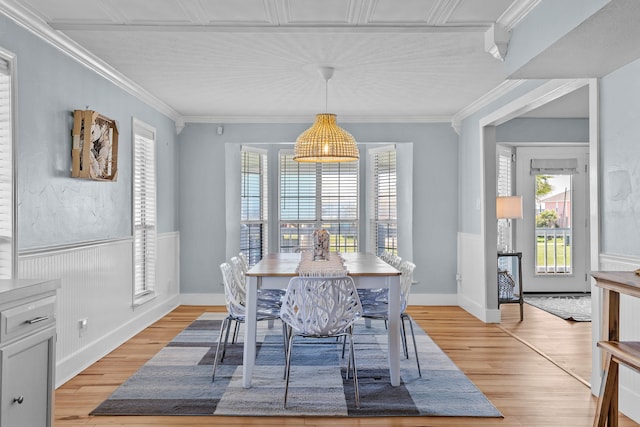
<point>257,60</point>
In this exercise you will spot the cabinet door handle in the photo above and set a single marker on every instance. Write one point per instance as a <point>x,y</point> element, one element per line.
<point>18,400</point>
<point>37,320</point>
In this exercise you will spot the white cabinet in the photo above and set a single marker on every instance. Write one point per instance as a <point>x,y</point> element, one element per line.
<point>27,352</point>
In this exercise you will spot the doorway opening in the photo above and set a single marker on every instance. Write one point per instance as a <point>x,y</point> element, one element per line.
<point>554,234</point>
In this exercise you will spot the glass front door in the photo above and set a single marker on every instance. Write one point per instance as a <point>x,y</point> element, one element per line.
<point>553,234</point>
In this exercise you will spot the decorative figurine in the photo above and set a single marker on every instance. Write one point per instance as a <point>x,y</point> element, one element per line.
<point>321,245</point>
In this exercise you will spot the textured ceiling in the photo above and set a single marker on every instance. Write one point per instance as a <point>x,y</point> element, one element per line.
<point>257,60</point>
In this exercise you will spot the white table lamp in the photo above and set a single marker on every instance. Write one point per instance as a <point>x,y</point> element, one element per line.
<point>508,207</point>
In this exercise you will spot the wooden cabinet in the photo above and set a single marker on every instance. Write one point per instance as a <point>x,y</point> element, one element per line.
<point>616,352</point>
<point>27,352</point>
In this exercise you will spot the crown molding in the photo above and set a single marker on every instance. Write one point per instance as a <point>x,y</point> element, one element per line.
<point>40,28</point>
<point>309,119</point>
<point>486,99</point>
<point>241,27</point>
<point>514,13</point>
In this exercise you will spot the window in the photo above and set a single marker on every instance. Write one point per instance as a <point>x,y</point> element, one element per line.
<point>144,211</point>
<point>253,203</point>
<point>6,175</point>
<point>383,200</point>
<point>318,195</point>
<point>504,168</point>
<point>554,229</point>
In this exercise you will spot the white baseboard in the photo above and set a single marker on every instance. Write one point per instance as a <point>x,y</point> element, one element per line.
<point>629,399</point>
<point>485,314</point>
<point>86,356</point>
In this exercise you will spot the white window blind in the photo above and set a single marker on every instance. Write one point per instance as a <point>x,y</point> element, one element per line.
<point>505,170</point>
<point>318,195</point>
<point>6,174</point>
<point>253,203</point>
<point>504,185</point>
<point>383,199</point>
<point>554,166</point>
<point>144,211</point>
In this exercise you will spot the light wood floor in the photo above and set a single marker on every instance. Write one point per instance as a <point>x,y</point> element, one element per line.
<point>528,388</point>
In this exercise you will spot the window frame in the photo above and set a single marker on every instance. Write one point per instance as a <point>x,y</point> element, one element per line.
<point>373,198</point>
<point>144,292</point>
<point>318,221</point>
<point>264,202</point>
<point>9,194</point>
<point>505,171</point>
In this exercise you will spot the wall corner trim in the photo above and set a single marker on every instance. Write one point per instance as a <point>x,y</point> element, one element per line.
<point>486,99</point>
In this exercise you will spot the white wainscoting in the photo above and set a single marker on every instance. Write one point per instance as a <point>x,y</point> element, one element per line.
<point>97,283</point>
<point>471,278</point>
<point>629,330</point>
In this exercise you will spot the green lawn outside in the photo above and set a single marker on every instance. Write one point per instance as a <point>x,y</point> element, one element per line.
<point>344,243</point>
<point>553,245</point>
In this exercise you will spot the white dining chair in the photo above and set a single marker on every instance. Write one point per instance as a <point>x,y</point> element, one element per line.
<point>268,295</point>
<point>373,296</point>
<point>321,307</point>
<point>235,298</point>
<point>267,298</point>
<point>378,307</point>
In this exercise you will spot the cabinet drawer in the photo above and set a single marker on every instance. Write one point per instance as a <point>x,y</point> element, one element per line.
<point>25,318</point>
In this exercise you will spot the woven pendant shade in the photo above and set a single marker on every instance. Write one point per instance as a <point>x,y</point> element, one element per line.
<point>325,141</point>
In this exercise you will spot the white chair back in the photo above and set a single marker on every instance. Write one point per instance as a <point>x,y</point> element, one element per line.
<point>321,306</point>
<point>234,294</point>
<point>238,272</point>
<point>391,259</point>
<point>244,261</point>
<point>406,279</point>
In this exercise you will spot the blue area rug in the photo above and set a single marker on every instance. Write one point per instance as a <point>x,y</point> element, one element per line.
<point>177,380</point>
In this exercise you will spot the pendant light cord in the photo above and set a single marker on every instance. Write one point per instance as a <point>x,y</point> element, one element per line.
<point>326,96</point>
<point>327,73</point>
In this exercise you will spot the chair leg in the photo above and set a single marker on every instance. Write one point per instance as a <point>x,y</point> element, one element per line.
<point>415,347</point>
<point>403,330</point>
<point>352,357</point>
<point>344,343</point>
<point>226,339</point>
<point>235,332</point>
<point>287,371</point>
<point>215,360</point>
<point>286,332</point>
<point>346,377</point>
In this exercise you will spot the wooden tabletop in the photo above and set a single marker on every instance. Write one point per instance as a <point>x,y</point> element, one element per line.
<point>358,264</point>
<point>625,282</point>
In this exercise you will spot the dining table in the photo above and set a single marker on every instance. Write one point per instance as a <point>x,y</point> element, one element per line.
<point>275,270</point>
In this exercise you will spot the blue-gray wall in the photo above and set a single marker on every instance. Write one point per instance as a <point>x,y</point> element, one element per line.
<point>54,209</point>
<point>202,196</point>
<point>543,130</point>
<point>620,161</point>
<point>470,158</point>
<point>545,24</point>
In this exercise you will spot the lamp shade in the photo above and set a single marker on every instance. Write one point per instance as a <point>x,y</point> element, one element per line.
<point>508,207</point>
<point>325,141</point>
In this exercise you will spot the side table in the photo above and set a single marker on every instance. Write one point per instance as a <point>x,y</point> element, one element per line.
<point>616,352</point>
<point>519,298</point>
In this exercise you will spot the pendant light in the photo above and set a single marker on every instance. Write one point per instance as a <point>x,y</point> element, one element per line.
<point>325,141</point>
